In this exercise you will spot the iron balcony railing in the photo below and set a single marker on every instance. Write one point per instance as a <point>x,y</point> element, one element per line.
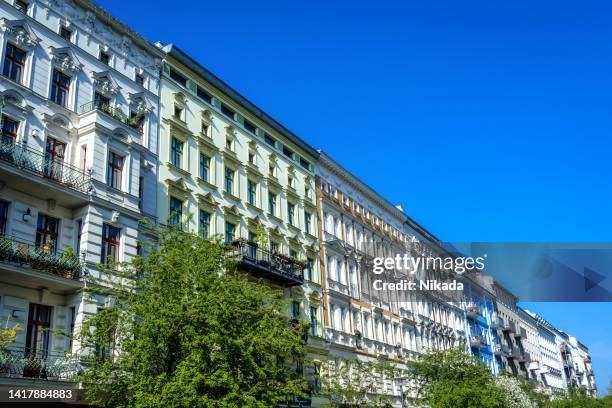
<point>42,258</point>
<point>261,262</point>
<point>114,112</point>
<point>23,157</point>
<point>20,364</point>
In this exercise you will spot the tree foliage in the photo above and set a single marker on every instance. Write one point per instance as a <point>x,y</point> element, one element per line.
<point>182,328</point>
<point>451,378</point>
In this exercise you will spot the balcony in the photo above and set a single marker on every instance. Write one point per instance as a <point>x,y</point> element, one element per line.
<point>476,341</point>
<point>17,364</point>
<point>116,113</point>
<point>260,262</point>
<point>52,173</point>
<point>500,350</point>
<point>473,312</point>
<point>520,332</point>
<point>510,327</point>
<point>62,270</point>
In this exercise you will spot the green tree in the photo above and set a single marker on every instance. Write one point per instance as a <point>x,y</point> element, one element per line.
<point>182,328</point>
<point>577,398</point>
<point>451,378</point>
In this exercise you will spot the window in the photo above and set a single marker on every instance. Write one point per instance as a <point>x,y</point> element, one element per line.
<point>230,231</point>
<point>38,332</point>
<point>115,170</point>
<point>307,221</point>
<point>21,6</point>
<point>65,33</point>
<point>229,181</point>
<point>204,224</point>
<point>176,213</point>
<point>176,152</point>
<point>272,170</point>
<point>79,235</point>
<point>272,203</point>
<point>178,112</point>
<point>274,247</point>
<point>140,191</point>
<point>290,182</point>
<point>227,111</point>
<point>178,77</point>
<point>54,158</point>
<point>228,144</point>
<point>250,126</point>
<point>204,128</point>
<point>304,163</point>
<point>204,167</point>
<point>139,79</point>
<point>269,140</point>
<point>104,58</point>
<point>101,101</point>
<point>47,229</point>
<point>3,215</point>
<point>60,87</point>
<point>295,310</point>
<point>84,158</point>
<point>307,191</point>
<point>252,192</point>
<point>202,94</point>
<point>252,157</point>
<point>287,152</point>
<point>9,130</point>
<point>309,269</point>
<point>290,213</point>
<point>14,63</point>
<point>110,244</point>
<point>136,120</point>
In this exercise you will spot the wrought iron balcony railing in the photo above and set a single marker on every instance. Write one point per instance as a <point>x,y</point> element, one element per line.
<point>43,258</point>
<point>114,112</point>
<point>23,157</point>
<point>17,363</point>
<point>261,262</point>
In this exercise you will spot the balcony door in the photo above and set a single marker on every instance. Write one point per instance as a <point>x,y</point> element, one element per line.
<point>47,229</point>
<point>38,332</point>
<point>54,158</point>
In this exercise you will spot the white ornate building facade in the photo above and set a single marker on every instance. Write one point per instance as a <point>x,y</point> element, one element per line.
<point>78,163</point>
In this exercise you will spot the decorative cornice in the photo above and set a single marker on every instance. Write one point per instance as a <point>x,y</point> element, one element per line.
<point>65,60</point>
<point>105,83</point>
<point>19,32</point>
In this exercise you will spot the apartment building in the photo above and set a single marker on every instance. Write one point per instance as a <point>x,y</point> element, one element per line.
<point>512,332</point>
<point>227,169</point>
<point>355,225</point>
<point>531,346</point>
<point>78,159</point>
<point>577,364</point>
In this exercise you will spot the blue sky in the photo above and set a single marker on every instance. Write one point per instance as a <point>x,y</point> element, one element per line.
<point>485,120</point>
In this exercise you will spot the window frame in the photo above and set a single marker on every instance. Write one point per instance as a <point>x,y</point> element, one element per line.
<point>176,152</point>
<point>59,90</point>
<point>13,62</point>
<point>112,169</point>
<point>111,238</point>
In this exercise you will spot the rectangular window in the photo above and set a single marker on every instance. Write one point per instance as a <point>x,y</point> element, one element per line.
<point>139,79</point>
<point>290,213</point>
<point>78,237</point>
<point>229,181</point>
<point>204,221</point>
<point>176,213</point>
<point>47,229</point>
<point>178,77</point>
<point>269,140</point>
<point>115,170</point>
<point>9,130</point>
<point>252,192</point>
<point>250,127</point>
<point>14,63</point>
<point>287,152</point>
<point>227,111</point>
<point>104,58</point>
<point>204,167</point>
<point>140,191</point>
<point>203,95</point>
<point>252,157</point>
<point>38,332</point>
<point>309,269</point>
<point>60,88</point>
<point>22,6</point>
<point>4,205</point>
<point>272,203</point>
<point>295,310</point>
<point>65,33</point>
<point>304,163</point>
<point>176,152</point>
<point>101,101</point>
<point>307,221</point>
<point>230,232</point>
<point>111,237</point>
<point>136,120</point>
<point>313,321</point>
<point>54,158</point>
<point>84,158</point>
<point>204,128</point>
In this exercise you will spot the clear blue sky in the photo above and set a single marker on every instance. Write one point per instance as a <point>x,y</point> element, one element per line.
<point>486,120</point>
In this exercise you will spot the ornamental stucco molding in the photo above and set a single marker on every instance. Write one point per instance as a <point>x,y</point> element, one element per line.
<point>139,103</point>
<point>20,33</point>
<point>104,83</point>
<point>65,60</point>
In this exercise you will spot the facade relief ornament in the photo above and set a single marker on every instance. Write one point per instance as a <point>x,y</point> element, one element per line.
<point>64,60</point>
<point>105,84</point>
<point>19,32</point>
<point>139,103</point>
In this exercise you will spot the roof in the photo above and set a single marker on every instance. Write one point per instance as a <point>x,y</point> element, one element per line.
<point>199,69</point>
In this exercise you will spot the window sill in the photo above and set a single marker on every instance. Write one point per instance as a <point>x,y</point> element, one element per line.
<point>205,183</point>
<point>178,169</point>
<point>230,196</point>
<point>254,208</point>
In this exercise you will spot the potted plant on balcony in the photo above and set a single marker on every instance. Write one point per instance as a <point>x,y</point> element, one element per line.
<point>68,263</point>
